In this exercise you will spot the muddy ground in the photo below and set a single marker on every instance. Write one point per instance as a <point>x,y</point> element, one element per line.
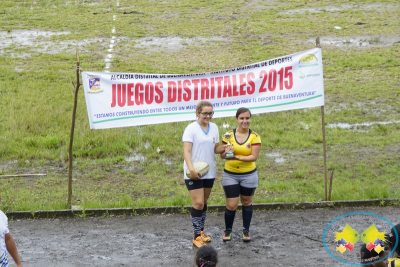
<point>280,238</point>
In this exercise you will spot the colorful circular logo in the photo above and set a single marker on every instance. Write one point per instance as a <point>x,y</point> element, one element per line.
<point>308,61</point>
<point>356,234</point>
<point>308,58</point>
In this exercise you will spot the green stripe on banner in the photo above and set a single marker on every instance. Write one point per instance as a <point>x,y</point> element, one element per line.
<point>288,103</point>
<point>190,112</point>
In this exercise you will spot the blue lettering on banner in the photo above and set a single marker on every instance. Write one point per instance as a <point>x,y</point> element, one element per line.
<point>155,110</point>
<point>266,98</point>
<point>231,103</point>
<point>298,95</point>
<point>190,107</point>
<point>104,115</point>
<point>127,113</point>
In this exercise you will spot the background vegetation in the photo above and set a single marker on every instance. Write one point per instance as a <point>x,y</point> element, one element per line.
<point>122,168</point>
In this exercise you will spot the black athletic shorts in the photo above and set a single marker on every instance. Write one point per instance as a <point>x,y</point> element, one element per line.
<point>232,191</point>
<point>197,184</point>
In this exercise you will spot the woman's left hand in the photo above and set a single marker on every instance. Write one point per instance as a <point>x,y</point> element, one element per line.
<point>235,158</point>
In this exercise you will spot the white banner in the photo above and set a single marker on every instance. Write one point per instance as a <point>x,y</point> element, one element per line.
<point>129,99</point>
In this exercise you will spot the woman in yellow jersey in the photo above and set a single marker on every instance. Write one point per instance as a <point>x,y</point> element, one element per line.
<point>240,177</point>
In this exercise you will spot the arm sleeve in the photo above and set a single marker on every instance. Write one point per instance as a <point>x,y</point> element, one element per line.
<point>256,140</point>
<point>187,135</point>
<point>216,134</point>
<point>7,231</point>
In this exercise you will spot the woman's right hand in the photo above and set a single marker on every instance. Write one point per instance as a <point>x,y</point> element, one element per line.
<point>228,149</point>
<point>194,175</point>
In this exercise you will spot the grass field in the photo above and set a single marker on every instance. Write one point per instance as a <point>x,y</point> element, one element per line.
<point>122,168</point>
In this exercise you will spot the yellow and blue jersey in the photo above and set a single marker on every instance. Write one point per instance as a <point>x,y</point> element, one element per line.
<point>240,150</point>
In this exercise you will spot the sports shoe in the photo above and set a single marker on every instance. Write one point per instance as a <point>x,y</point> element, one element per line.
<point>227,235</point>
<point>205,237</point>
<point>246,236</point>
<point>198,242</point>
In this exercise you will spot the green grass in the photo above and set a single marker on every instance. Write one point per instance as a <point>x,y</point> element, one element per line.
<point>121,167</point>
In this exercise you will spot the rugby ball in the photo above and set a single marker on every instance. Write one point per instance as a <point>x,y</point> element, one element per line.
<point>200,166</point>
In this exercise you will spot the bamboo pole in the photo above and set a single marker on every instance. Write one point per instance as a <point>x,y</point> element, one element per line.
<point>71,139</point>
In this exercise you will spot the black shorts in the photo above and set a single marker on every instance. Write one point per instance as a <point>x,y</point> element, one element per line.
<point>197,184</point>
<point>232,191</point>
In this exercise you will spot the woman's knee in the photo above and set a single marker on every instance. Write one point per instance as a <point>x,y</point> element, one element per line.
<point>232,205</point>
<point>246,201</point>
<point>198,205</point>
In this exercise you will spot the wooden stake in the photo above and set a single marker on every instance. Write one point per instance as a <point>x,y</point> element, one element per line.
<point>23,175</point>
<point>71,139</point>
<point>324,151</point>
<point>317,43</point>
<point>330,186</point>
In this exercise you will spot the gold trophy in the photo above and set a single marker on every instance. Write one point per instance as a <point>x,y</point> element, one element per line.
<point>228,155</point>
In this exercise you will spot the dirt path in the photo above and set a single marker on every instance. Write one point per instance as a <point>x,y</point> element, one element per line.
<point>280,238</point>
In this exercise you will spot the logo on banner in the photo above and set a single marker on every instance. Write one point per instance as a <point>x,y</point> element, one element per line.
<point>94,85</point>
<point>308,60</point>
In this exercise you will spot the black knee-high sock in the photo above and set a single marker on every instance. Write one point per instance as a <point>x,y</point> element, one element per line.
<point>229,218</point>
<point>195,217</point>
<point>203,217</point>
<point>247,214</point>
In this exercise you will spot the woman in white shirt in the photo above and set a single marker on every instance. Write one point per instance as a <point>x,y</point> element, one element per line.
<point>200,143</point>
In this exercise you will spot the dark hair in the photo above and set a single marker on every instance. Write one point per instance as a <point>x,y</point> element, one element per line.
<point>206,256</point>
<point>370,256</point>
<point>201,105</point>
<point>242,110</point>
<point>391,238</point>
